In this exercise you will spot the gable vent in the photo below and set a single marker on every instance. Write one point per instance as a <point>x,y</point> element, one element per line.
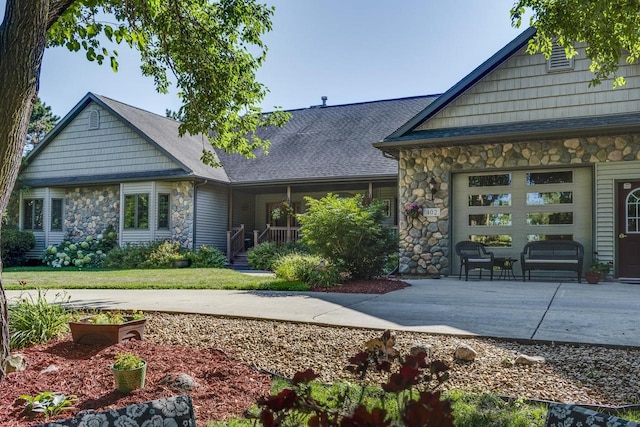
<point>94,119</point>
<point>558,60</point>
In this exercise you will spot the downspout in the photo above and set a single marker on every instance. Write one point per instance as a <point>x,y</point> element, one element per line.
<point>195,216</point>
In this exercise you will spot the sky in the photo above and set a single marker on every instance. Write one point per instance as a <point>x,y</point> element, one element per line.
<point>348,50</point>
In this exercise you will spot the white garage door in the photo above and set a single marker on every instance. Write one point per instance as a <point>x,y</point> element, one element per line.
<point>505,210</point>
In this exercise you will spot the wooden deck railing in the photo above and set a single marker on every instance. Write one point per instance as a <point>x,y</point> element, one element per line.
<point>235,242</point>
<point>276,234</point>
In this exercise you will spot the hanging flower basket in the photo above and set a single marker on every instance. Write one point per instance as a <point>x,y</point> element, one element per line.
<point>413,209</point>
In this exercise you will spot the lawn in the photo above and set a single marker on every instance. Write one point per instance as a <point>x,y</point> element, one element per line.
<point>176,278</point>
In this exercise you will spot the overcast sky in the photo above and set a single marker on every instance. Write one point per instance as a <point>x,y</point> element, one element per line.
<point>347,50</point>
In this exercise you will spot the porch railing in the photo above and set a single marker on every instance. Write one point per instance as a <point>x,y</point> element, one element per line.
<point>235,241</point>
<point>276,234</point>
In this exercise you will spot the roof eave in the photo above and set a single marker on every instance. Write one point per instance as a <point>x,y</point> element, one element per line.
<point>394,146</point>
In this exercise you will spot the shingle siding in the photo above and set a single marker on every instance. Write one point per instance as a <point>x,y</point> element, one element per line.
<point>112,149</point>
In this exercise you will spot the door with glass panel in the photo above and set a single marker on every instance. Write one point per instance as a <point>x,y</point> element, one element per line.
<point>507,209</point>
<point>628,235</point>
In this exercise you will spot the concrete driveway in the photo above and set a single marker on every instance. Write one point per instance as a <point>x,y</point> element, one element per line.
<point>606,313</point>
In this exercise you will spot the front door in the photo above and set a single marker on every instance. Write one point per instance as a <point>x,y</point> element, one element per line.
<point>628,233</point>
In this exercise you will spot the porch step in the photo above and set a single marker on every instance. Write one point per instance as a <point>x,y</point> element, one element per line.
<point>239,262</point>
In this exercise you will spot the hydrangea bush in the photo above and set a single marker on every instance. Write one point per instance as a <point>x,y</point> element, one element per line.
<point>89,252</point>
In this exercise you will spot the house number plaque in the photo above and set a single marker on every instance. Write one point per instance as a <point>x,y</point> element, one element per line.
<point>431,212</point>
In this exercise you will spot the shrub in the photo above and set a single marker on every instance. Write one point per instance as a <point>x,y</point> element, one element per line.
<point>36,321</point>
<point>15,245</point>
<point>310,269</point>
<point>132,255</point>
<point>162,254</point>
<point>348,233</point>
<point>207,257</point>
<point>265,254</point>
<point>90,252</point>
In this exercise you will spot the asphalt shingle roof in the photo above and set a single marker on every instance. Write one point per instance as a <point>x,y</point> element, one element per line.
<point>328,142</point>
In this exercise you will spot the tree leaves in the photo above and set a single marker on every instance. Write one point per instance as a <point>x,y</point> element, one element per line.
<point>608,27</point>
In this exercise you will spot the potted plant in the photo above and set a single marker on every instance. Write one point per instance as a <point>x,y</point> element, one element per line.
<point>129,372</point>
<point>597,271</point>
<point>107,327</point>
<point>180,261</point>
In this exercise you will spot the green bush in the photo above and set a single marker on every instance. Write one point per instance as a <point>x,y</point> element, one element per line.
<point>130,256</point>
<point>161,254</point>
<point>36,321</point>
<point>90,252</point>
<point>265,254</point>
<point>310,269</point>
<point>349,233</point>
<point>207,257</point>
<point>15,245</point>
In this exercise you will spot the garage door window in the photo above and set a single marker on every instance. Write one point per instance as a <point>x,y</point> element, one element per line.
<point>490,200</point>
<point>490,180</point>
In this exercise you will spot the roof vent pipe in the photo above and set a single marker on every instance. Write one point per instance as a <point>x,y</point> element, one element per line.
<point>324,101</point>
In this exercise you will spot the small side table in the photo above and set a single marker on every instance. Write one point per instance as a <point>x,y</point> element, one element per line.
<point>506,267</point>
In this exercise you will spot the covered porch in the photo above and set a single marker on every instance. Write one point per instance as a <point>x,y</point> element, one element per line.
<point>266,213</point>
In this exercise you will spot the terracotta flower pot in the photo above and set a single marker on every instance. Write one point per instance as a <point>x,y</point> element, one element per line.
<point>592,277</point>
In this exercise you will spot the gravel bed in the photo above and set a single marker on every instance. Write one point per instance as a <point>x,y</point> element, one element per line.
<point>572,373</point>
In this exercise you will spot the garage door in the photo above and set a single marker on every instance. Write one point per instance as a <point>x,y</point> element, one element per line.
<point>505,210</point>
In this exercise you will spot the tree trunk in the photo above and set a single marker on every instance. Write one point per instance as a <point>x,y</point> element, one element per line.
<point>22,42</point>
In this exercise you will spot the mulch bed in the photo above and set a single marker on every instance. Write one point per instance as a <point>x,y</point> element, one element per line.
<point>226,387</point>
<point>370,286</point>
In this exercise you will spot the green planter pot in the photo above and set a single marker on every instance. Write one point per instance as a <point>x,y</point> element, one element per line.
<point>127,381</point>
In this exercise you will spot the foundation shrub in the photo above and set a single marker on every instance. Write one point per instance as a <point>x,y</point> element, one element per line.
<point>309,269</point>
<point>15,245</point>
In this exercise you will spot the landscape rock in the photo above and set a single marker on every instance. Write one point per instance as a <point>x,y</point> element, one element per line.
<point>418,347</point>
<point>465,352</point>
<point>180,382</point>
<point>16,363</point>
<point>50,368</point>
<point>523,359</point>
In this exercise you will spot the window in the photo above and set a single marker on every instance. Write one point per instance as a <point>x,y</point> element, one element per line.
<point>490,200</point>
<point>56,214</point>
<point>490,180</point>
<point>493,240</point>
<point>550,198</point>
<point>136,211</point>
<point>32,214</point>
<point>94,119</point>
<point>490,219</point>
<point>549,218</point>
<point>163,211</point>
<point>540,178</point>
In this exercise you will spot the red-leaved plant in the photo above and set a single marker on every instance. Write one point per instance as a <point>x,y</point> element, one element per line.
<point>419,403</point>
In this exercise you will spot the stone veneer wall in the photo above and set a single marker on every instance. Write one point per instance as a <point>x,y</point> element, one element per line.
<point>182,203</point>
<point>89,210</point>
<point>424,241</point>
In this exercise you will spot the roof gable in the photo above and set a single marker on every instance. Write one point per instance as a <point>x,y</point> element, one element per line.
<point>160,132</point>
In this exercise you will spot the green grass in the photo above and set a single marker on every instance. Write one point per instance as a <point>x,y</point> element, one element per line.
<point>177,278</point>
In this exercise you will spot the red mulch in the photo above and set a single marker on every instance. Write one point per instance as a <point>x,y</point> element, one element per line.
<point>370,286</point>
<point>226,388</point>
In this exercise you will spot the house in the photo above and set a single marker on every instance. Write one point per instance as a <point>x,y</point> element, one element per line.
<point>108,163</point>
<point>522,149</point>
